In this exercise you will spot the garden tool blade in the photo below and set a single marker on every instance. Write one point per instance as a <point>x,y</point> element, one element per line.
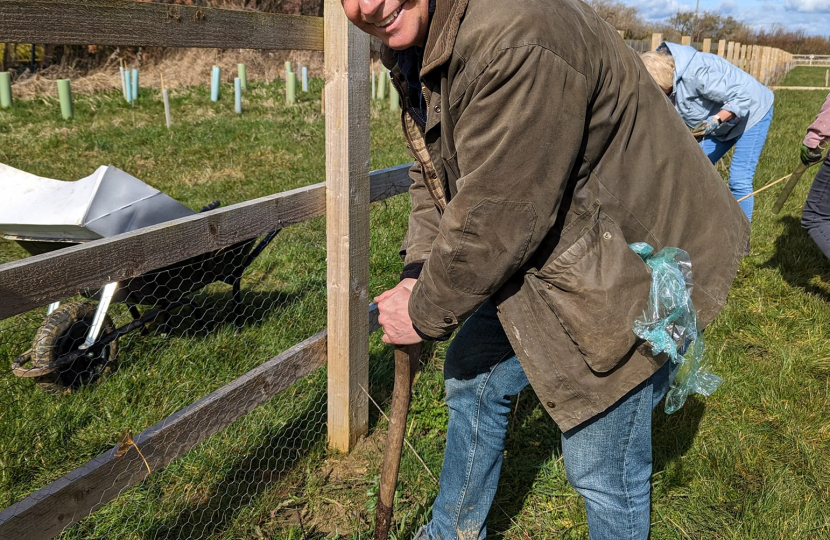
<point>788,188</point>
<point>406,363</point>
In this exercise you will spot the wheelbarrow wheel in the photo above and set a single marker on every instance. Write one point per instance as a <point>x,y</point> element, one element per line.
<point>63,331</point>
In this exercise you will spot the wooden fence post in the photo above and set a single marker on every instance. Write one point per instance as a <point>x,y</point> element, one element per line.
<point>685,40</point>
<point>707,45</point>
<point>656,40</point>
<point>755,61</point>
<point>742,59</point>
<point>346,54</point>
<point>736,54</point>
<point>730,51</point>
<point>722,48</point>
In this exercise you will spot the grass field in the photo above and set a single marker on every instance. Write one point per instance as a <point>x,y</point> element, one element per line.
<point>750,462</point>
<point>806,76</point>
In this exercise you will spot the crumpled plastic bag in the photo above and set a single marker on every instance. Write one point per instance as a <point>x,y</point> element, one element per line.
<point>669,324</point>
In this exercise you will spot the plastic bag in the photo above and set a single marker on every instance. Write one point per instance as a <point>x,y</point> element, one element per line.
<point>669,324</point>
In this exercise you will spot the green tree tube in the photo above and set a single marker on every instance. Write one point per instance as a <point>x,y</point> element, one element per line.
<point>243,76</point>
<point>128,86</point>
<point>215,79</point>
<point>382,85</point>
<point>135,84</point>
<point>5,90</point>
<point>65,95</point>
<point>291,88</point>
<point>394,103</point>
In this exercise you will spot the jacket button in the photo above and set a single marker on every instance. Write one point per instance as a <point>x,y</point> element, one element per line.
<point>607,236</point>
<point>551,404</point>
<point>448,320</point>
<point>438,108</point>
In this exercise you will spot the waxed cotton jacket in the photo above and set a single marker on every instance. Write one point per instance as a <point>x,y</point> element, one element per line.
<point>705,83</point>
<point>547,149</point>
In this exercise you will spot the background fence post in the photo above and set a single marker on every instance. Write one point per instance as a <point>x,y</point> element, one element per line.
<point>707,45</point>
<point>685,40</point>
<point>722,48</point>
<point>346,52</point>
<point>656,40</point>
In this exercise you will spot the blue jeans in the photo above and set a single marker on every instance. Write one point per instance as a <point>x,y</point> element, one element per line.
<point>607,459</point>
<point>748,148</point>
<point>815,218</point>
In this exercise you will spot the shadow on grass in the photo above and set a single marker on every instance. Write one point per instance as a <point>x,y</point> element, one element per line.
<point>275,459</point>
<point>798,259</point>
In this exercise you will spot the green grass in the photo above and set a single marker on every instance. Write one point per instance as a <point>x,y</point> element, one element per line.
<point>750,462</point>
<point>805,76</point>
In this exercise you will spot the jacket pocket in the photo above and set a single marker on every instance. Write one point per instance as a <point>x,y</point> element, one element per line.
<point>596,288</point>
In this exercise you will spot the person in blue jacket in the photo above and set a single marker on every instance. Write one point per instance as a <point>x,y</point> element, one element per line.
<point>724,106</point>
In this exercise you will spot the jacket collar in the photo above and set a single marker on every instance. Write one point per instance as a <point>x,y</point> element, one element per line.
<point>682,55</point>
<point>441,36</point>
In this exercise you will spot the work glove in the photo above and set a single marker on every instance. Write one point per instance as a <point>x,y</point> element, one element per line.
<point>706,127</point>
<point>810,156</point>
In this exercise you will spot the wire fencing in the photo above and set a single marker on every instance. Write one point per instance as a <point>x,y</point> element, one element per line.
<point>169,338</point>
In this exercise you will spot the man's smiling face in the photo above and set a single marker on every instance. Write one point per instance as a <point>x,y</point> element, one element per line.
<point>400,24</point>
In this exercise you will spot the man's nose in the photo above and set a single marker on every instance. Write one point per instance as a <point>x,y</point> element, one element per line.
<point>371,7</point>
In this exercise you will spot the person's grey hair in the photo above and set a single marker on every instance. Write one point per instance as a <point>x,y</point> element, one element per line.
<point>660,64</point>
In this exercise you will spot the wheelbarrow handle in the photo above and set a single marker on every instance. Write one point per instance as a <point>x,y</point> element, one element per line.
<point>406,364</point>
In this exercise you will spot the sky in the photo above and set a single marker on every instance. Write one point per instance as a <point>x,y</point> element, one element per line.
<point>811,15</point>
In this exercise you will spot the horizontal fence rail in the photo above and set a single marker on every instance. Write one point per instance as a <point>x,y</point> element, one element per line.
<point>129,23</point>
<point>39,280</point>
<point>47,512</point>
<point>819,60</point>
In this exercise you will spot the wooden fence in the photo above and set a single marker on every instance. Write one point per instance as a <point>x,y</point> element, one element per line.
<point>344,198</point>
<point>767,64</point>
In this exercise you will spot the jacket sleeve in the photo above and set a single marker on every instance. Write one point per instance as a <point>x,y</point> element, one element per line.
<point>819,131</point>
<point>520,128</point>
<point>717,83</point>
<point>423,221</point>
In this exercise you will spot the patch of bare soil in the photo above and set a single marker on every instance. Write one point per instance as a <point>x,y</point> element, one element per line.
<point>336,493</point>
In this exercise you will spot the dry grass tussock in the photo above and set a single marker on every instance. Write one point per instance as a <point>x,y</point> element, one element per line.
<point>181,68</point>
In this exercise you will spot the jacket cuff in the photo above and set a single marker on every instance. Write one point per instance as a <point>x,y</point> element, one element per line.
<point>427,317</point>
<point>733,110</point>
<point>430,338</point>
<point>412,270</point>
<point>812,140</point>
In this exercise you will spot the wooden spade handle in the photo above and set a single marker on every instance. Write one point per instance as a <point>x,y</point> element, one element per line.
<point>406,364</point>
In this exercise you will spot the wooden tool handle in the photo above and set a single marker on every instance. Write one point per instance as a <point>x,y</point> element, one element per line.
<point>788,188</point>
<point>406,364</point>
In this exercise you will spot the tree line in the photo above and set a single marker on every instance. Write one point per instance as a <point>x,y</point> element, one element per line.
<point>708,24</point>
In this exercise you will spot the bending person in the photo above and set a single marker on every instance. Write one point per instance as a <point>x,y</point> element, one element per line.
<point>534,171</point>
<point>723,105</point>
<point>816,215</point>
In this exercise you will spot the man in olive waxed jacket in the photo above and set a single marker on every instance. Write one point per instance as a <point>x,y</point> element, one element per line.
<point>542,149</point>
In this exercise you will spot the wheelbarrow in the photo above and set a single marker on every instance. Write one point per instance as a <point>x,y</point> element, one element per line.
<point>77,341</point>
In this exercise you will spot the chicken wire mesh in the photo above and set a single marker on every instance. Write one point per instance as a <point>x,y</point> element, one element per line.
<point>169,338</point>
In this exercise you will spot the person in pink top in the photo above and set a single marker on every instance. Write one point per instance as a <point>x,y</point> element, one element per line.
<point>815,218</point>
